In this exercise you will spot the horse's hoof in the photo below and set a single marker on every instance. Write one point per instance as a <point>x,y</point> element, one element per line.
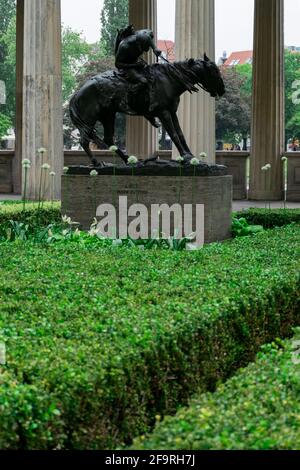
<point>187,159</point>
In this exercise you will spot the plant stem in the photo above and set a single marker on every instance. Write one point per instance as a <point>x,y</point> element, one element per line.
<point>40,188</point>
<point>25,188</point>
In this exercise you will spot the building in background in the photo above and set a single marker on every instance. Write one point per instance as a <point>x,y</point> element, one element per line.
<point>168,49</point>
<point>239,58</point>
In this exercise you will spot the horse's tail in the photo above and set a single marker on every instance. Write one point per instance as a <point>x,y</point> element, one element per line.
<point>76,119</point>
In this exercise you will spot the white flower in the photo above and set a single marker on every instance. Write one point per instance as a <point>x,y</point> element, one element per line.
<point>26,163</point>
<point>65,170</point>
<point>132,160</point>
<point>113,149</point>
<point>42,151</point>
<point>66,219</point>
<point>195,162</point>
<point>284,159</point>
<point>266,167</point>
<point>203,155</point>
<point>52,173</point>
<point>94,224</point>
<point>179,159</point>
<point>93,232</point>
<point>94,173</point>
<point>46,166</point>
<point>77,233</point>
<point>65,232</point>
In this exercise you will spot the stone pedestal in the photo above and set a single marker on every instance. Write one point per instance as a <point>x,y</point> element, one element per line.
<point>293,177</point>
<point>82,195</point>
<point>237,163</point>
<point>39,92</point>
<point>195,34</point>
<point>268,102</point>
<point>141,137</point>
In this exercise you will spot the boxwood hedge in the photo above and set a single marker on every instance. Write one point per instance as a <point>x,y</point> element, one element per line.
<point>32,216</point>
<point>99,341</point>
<point>258,409</point>
<point>270,218</point>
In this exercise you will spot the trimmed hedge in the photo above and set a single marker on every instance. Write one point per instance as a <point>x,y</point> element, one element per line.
<point>32,216</point>
<point>258,409</point>
<point>99,341</point>
<point>270,218</point>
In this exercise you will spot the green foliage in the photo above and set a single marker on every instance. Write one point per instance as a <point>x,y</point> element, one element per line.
<point>99,340</point>
<point>292,111</point>
<point>270,218</point>
<point>246,71</point>
<point>233,110</point>
<point>32,217</point>
<point>258,409</point>
<point>75,53</point>
<point>241,228</point>
<point>5,124</point>
<point>114,16</point>
<point>8,55</point>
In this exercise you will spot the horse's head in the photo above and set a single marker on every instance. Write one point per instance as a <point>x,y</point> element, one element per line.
<point>209,76</point>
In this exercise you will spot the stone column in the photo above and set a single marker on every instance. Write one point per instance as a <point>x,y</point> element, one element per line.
<point>16,167</point>
<point>268,101</point>
<point>141,137</point>
<point>42,100</point>
<point>195,34</point>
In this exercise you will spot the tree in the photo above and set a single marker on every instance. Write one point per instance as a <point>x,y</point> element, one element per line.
<point>8,55</point>
<point>75,53</point>
<point>8,11</point>
<point>114,16</point>
<point>292,110</point>
<point>5,124</point>
<point>233,110</point>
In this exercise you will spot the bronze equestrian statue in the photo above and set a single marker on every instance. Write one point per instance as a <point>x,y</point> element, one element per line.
<point>139,89</point>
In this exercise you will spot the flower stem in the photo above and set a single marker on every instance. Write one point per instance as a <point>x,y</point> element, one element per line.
<point>25,188</point>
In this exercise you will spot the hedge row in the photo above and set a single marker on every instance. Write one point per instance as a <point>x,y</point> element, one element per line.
<point>32,216</point>
<point>258,409</point>
<point>270,218</point>
<point>99,341</point>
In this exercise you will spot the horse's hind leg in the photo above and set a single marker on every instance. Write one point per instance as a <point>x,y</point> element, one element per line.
<point>85,144</point>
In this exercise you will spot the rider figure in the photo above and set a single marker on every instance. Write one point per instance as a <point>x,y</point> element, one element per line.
<point>130,46</point>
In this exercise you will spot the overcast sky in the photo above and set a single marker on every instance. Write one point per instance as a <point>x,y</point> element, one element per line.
<point>234,21</point>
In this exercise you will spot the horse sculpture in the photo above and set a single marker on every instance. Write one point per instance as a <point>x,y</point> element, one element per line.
<point>101,97</point>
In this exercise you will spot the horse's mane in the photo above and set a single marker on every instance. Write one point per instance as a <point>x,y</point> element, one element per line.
<point>179,71</point>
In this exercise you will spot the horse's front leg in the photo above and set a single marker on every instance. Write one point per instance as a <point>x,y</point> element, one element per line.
<point>167,122</point>
<point>181,135</point>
